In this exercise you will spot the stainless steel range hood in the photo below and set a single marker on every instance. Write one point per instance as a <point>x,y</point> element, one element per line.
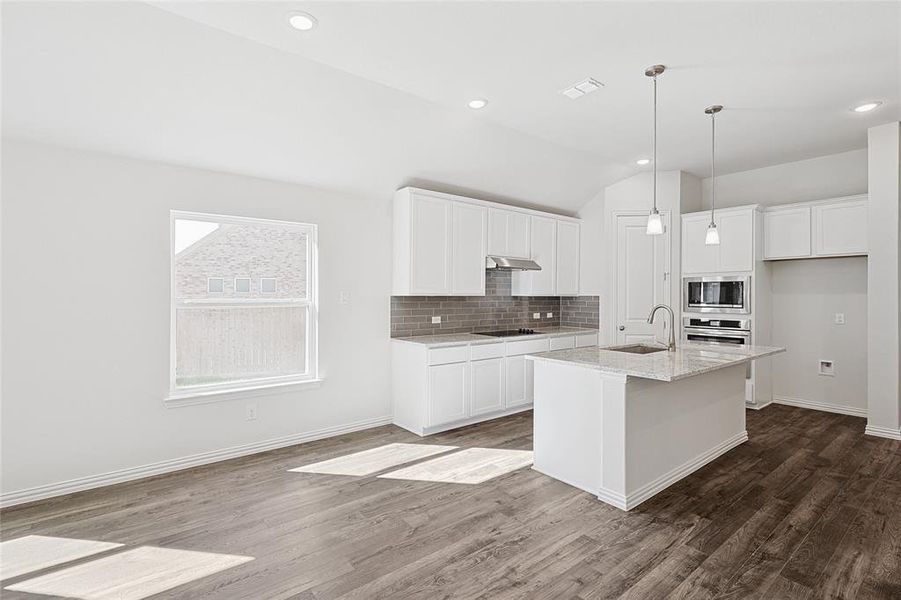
<point>504,263</point>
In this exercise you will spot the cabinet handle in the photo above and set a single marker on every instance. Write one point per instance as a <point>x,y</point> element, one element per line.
<point>622,327</point>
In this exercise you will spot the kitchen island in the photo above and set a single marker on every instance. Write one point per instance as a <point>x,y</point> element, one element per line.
<point>624,425</point>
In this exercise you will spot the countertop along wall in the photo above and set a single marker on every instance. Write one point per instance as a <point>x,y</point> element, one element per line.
<point>807,293</point>
<point>85,356</point>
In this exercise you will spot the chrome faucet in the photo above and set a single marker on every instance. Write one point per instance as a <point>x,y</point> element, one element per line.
<point>672,325</point>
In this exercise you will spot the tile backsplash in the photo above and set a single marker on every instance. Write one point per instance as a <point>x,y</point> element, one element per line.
<point>497,309</point>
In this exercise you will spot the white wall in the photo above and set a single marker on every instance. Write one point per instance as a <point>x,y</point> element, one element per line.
<point>806,294</point>
<point>884,230</point>
<point>85,347</point>
<point>830,176</point>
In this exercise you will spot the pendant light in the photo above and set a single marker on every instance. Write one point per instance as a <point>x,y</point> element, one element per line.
<point>713,236</point>
<point>655,225</point>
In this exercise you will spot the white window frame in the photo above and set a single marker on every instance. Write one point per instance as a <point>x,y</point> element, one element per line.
<point>272,279</point>
<point>249,285</point>
<point>202,394</point>
<point>209,279</point>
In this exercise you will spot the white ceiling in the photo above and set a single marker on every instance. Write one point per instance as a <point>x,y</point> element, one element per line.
<point>787,72</point>
<point>374,98</point>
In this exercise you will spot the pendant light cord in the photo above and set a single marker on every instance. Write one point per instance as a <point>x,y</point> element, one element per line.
<point>655,143</point>
<point>712,167</point>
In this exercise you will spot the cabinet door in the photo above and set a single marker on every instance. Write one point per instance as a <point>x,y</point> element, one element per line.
<point>430,252</point>
<point>786,233</point>
<point>697,257</point>
<point>468,257</point>
<point>498,243</point>
<point>448,393</point>
<point>516,381</point>
<point>840,229</point>
<point>544,252</point>
<point>518,245</point>
<point>567,283</point>
<point>736,241</point>
<point>487,385</point>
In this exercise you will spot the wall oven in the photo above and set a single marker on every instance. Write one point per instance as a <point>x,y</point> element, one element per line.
<point>733,332</point>
<point>716,294</point>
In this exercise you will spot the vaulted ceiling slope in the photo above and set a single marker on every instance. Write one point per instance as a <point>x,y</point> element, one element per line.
<point>374,97</point>
<point>131,79</point>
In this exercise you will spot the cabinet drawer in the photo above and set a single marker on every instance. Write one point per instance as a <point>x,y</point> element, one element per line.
<point>563,343</point>
<point>443,356</point>
<point>586,339</point>
<point>527,347</point>
<point>482,351</point>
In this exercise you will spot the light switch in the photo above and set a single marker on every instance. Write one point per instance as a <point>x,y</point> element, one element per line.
<point>344,297</point>
<point>536,315</point>
<point>839,318</point>
<point>550,315</point>
<point>436,320</point>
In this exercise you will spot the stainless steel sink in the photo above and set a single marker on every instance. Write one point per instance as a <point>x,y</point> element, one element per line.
<point>637,349</point>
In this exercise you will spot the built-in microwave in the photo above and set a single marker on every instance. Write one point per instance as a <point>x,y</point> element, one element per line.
<point>725,294</point>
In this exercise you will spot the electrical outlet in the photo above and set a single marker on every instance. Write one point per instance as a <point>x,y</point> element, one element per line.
<point>344,297</point>
<point>827,367</point>
<point>436,320</point>
<point>251,412</point>
<point>839,318</point>
<point>536,315</point>
<point>550,315</point>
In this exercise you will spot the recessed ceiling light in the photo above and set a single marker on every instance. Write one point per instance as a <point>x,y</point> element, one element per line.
<point>867,107</point>
<point>477,103</point>
<point>302,21</point>
<point>643,161</point>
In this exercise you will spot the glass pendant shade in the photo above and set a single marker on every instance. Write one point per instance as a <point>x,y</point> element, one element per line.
<point>713,236</point>
<point>655,225</point>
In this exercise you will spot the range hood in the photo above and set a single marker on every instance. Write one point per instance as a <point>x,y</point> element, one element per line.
<point>504,263</point>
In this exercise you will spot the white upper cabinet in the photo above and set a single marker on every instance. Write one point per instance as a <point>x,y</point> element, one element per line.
<point>836,227</point>
<point>468,249</point>
<point>786,233</point>
<point>567,282</point>
<point>441,243</point>
<point>735,252</point>
<point>508,233</point>
<point>736,246</point>
<point>697,257</point>
<point>430,249</point>
<point>840,229</point>
<point>543,242</point>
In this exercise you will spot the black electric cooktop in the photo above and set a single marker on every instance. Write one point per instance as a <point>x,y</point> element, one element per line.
<point>508,332</point>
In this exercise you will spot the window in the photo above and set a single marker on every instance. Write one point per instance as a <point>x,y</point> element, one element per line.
<point>242,285</point>
<point>232,328</point>
<point>215,285</point>
<point>268,285</point>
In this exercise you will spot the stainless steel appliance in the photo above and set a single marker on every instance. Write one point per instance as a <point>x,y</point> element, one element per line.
<point>716,294</point>
<point>716,331</point>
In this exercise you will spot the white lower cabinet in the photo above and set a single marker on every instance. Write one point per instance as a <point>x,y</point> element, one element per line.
<point>487,393</point>
<point>436,389</point>
<point>516,381</point>
<point>448,393</point>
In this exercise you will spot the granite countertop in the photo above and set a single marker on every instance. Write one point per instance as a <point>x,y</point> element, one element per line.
<point>688,360</point>
<point>462,339</point>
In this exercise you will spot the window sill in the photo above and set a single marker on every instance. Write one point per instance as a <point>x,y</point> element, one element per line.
<point>194,397</point>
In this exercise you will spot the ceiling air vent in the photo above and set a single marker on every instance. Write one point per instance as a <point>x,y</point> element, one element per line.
<point>582,88</point>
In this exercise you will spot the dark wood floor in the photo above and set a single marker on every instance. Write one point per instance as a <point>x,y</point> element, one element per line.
<point>808,508</point>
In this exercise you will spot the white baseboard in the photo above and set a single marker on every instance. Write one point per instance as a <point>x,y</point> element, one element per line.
<point>167,466</point>
<point>633,499</point>
<point>757,406</point>
<point>832,408</point>
<point>652,488</point>
<point>884,432</point>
